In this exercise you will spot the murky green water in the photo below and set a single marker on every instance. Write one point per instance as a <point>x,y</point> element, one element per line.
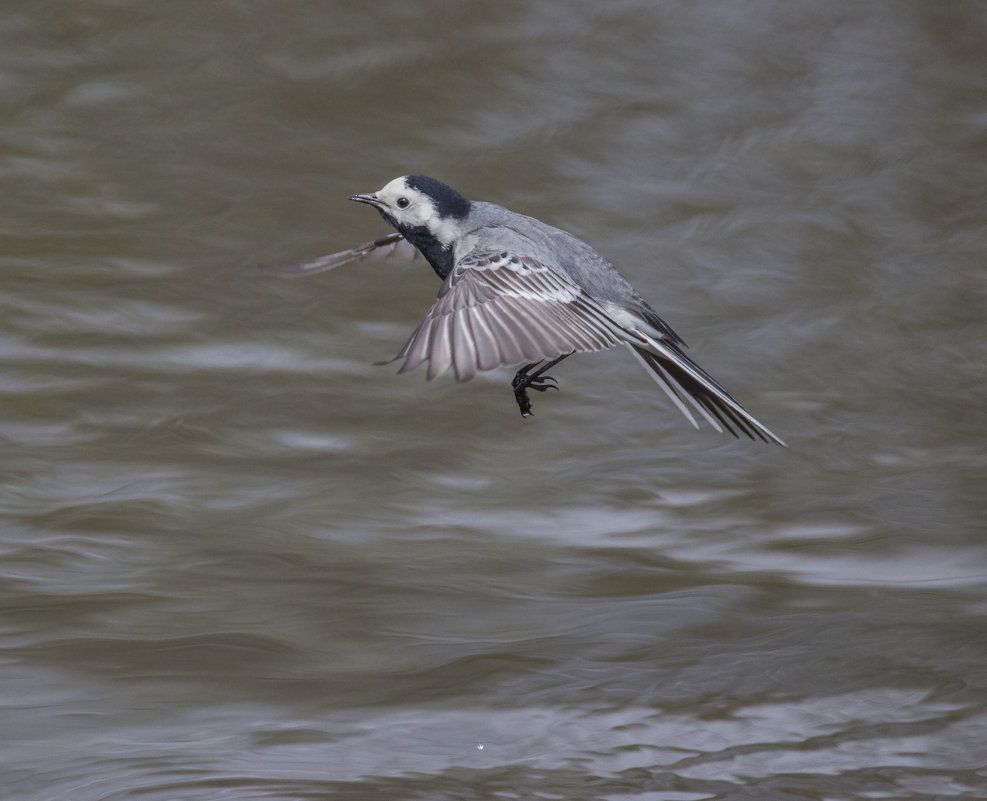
<point>238,560</point>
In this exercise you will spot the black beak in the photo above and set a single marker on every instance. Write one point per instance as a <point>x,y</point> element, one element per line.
<point>370,200</point>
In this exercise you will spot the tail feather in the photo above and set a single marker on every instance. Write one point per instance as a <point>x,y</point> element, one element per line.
<point>684,380</point>
<point>664,382</point>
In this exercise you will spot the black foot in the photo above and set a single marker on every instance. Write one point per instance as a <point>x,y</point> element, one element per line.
<point>522,382</point>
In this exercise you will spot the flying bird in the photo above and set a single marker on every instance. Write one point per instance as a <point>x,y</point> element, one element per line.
<point>519,292</point>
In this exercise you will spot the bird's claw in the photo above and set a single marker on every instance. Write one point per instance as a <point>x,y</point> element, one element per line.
<point>522,382</point>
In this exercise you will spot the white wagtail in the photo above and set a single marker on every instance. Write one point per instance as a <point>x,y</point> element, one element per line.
<point>518,291</point>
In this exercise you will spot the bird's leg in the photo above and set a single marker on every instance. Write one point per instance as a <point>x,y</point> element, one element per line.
<point>524,380</point>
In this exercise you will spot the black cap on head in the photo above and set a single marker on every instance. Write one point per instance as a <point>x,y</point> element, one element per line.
<point>448,202</point>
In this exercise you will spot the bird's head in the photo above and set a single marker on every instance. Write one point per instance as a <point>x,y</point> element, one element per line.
<point>418,205</point>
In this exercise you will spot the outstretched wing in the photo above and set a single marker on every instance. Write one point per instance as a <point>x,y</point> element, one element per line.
<point>497,309</point>
<point>392,246</point>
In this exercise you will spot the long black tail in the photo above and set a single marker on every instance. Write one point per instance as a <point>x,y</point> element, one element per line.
<point>687,383</point>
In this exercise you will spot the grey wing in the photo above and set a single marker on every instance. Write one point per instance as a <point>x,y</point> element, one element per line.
<point>498,309</point>
<point>392,246</point>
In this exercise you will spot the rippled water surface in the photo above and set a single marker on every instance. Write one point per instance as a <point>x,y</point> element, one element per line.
<point>239,560</point>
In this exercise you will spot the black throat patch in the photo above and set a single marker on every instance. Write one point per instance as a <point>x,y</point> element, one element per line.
<point>439,257</point>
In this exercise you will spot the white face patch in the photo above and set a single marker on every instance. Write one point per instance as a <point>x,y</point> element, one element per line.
<point>408,206</point>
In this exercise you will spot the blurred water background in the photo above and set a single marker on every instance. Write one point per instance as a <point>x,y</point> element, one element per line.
<point>238,560</point>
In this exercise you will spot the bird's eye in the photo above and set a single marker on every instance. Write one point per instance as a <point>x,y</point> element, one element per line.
<point>403,202</point>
